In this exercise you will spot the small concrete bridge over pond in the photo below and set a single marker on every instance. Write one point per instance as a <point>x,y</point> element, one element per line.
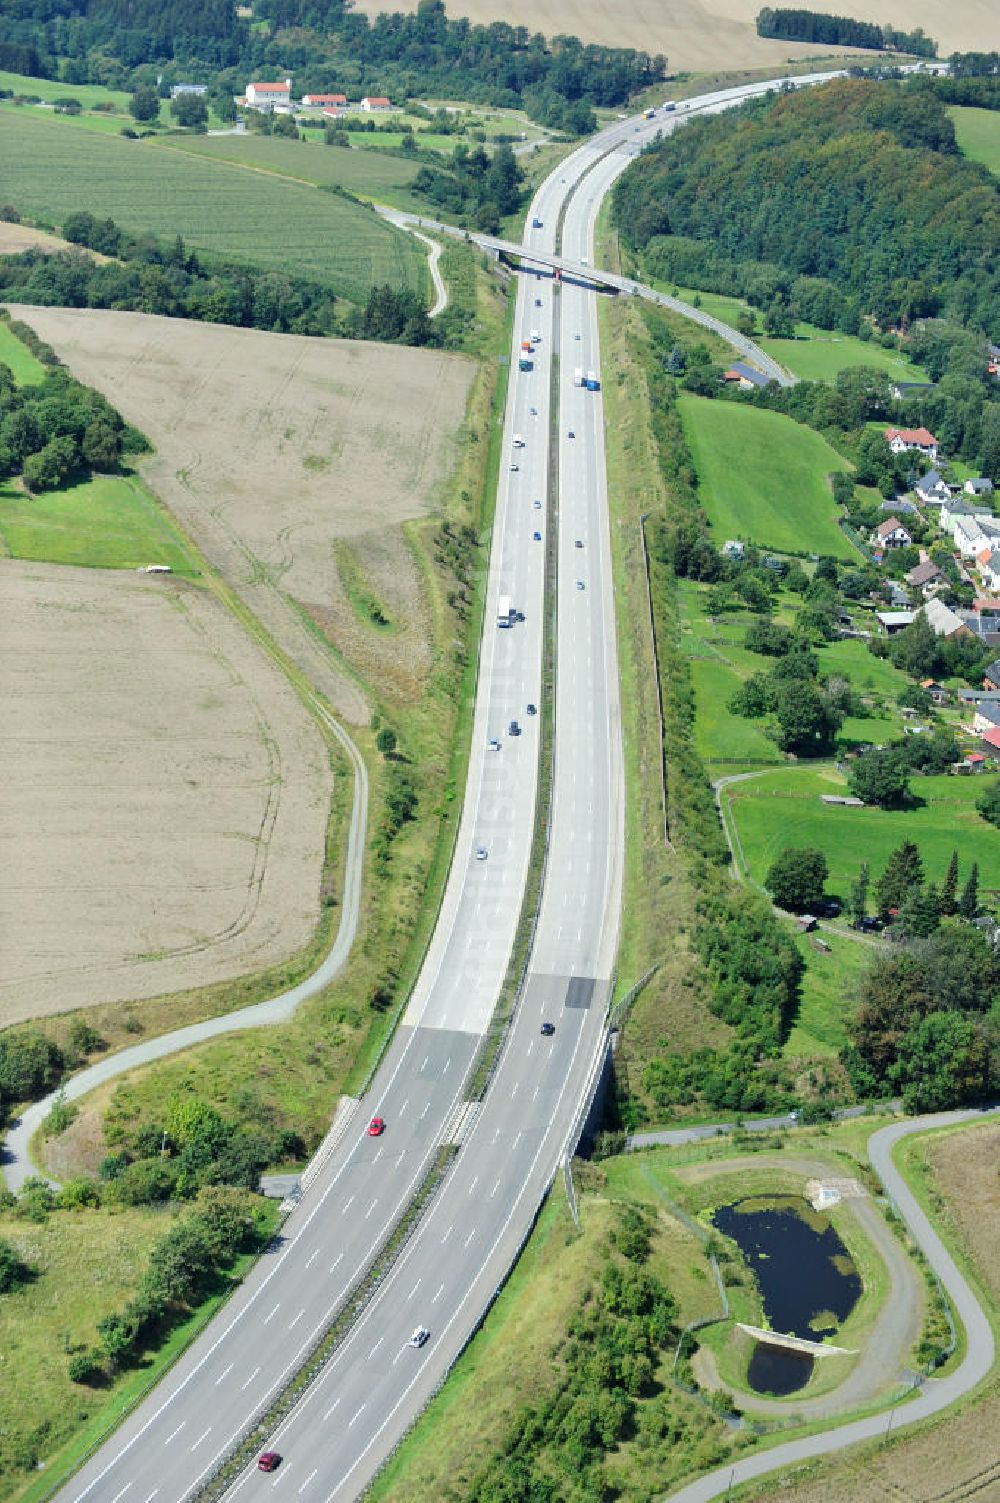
<point>796,1343</point>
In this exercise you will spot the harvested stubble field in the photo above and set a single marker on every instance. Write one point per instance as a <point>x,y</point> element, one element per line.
<point>257,219</point>
<point>711,34</point>
<point>166,796</point>
<point>271,448</point>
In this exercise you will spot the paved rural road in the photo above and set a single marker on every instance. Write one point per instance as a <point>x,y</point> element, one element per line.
<point>937,1393</point>
<point>15,1157</point>
<point>376,1383</point>
<point>408,222</point>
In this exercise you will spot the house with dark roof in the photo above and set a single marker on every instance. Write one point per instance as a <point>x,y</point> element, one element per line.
<point>991,675</point>
<point>932,490</point>
<point>926,577</point>
<point>746,376</point>
<point>986,716</point>
<point>981,486</point>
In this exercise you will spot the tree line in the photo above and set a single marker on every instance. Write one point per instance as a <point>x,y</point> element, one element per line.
<point>57,429</point>
<point>841,31</point>
<point>120,43</point>
<point>172,281</point>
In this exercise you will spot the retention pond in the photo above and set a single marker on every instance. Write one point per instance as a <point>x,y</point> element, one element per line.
<point>807,1280</point>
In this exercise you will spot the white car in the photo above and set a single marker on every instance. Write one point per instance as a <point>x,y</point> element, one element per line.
<point>419,1336</point>
<point>481,853</point>
<point>580,585</point>
<point>493,743</point>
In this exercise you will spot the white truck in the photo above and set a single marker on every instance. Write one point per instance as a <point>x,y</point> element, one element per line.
<point>505,616</point>
<point>578,376</point>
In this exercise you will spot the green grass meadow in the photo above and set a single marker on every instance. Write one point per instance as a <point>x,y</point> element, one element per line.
<point>783,808</point>
<point>719,664</point>
<point>26,369</point>
<point>978,134</point>
<point>256,219</point>
<point>814,354</point>
<point>107,522</point>
<point>762,476</point>
<point>369,174</point>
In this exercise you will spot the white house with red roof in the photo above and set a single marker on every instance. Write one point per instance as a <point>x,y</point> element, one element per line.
<point>269,96</point>
<point>325,101</point>
<point>375,102</point>
<point>900,440</point>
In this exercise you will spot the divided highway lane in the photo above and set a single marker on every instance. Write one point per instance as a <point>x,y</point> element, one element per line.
<point>335,1440</point>
<point>210,1399</point>
<point>473,1229</point>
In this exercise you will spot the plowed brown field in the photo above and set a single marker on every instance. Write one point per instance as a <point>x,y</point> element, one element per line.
<point>271,447</point>
<point>708,34</point>
<point>165,794</point>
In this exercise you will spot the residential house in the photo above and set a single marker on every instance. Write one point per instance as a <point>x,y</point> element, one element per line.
<point>926,577</point>
<point>894,621</point>
<point>945,621</point>
<point>989,570</point>
<point>374,102</point>
<point>902,440</point>
<point>903,389</point>
<point>746,376</point>
<point>980,487</point>
<point>963,506</point>
<point>733,549</point>
<point>985,624</point>
<point>269,96</point>
<point>904,507</point>
<point>971,534</point>
<point>891,534</point>
<point>899,596</point>
<point>991,740</point>
<point>986,716</point>
<point>991,675</point>
<point>938,693</point>
<point>932,490</point>
<point>325,101</point>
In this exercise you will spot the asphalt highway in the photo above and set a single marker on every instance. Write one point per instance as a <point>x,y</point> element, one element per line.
<point>377,1383</point>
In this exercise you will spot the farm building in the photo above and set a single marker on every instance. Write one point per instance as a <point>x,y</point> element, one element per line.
<point>375,102</point>
<point>269,96</point>
<point>943,619</point>
<point>746,376</point>
<point>325,101</point>
<point>894,621</point>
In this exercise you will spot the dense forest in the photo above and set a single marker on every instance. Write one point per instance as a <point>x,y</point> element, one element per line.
<point>325,45</point>
<point>841,31</point>
<point>857,186</point>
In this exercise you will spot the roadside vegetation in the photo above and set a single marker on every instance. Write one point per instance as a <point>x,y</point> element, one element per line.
<point>538,1407</point>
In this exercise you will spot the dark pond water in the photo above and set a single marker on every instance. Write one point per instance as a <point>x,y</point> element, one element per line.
<point>807,1280</point>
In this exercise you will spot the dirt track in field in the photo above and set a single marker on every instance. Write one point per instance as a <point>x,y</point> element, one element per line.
<point>708,34</point>
<point>165,794</point>
<point>15,238</point>
<point>271,447</point>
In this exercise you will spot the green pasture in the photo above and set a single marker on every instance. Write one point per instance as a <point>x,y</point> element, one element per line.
<point>762,476</point>
<point>829,991</point>
<point>783,808</point>
<point>27,370</point>
<point>719,663</point>
<point>253,218</point>
<point>103,523</point>
<point>368,174</point>
<point>978,134</point>
<point>814,354</point>
<point>50,89</point>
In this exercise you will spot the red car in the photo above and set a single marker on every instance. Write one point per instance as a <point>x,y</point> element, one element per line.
<point>268,1461</point>
<point>376,1127</point>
